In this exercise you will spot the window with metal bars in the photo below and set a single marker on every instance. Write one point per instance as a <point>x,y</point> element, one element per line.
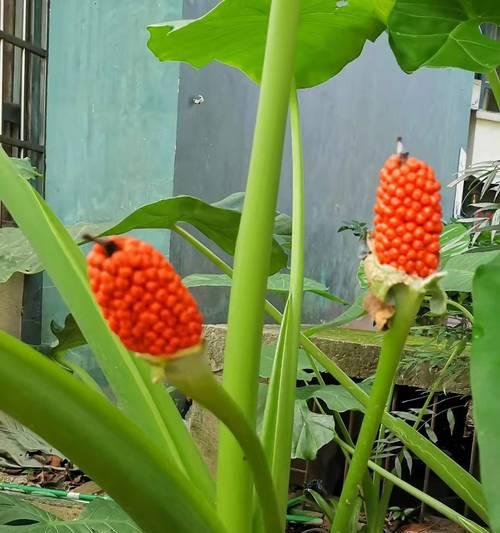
<point>23,73</point>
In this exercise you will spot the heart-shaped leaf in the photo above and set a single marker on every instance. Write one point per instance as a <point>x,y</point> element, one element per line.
<point>444,33</point>
<point>311,431</point>
<point>331,34</point>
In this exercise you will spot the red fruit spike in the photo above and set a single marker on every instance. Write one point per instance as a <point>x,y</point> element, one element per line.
<point>125,268</point>
<point>422,217</point>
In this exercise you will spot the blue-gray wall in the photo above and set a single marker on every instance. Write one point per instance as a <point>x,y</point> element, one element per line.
<point>111,115</point>
<point>350,125</point>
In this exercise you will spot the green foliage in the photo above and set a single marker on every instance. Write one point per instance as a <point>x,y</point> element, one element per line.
<point>311,431</point>
<point>460,270</point>
<point>485,376</point>
<point>218,221</point>
<point>355,311</point>
<point>335,397</point>
<point>447,33</point>
<point>278,283</point>
<point>25,169</point>
<point>68,336</point>
<point>104,516</point>
<point>268,353</point>
<point>330,35</point>
<point>454,240</point>
<point>89,429</point>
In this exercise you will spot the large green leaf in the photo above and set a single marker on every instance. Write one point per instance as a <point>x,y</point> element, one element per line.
<point>485,379</point>
<point>279,283</point>
<point>218,221</point>
<point>454,240</point>
<point>444,33</point>
<point>103,516</point>
<point>146,404</point>
<point>311,431</point>
<point>88,429</point>
<point>460,270</point>
<point>331,34</point>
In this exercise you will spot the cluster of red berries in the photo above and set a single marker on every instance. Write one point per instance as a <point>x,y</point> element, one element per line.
<point>142,297</point>
<point>408,216</point>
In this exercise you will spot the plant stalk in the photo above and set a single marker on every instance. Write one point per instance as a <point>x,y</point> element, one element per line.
<point>407,303</point>
<point>446,511</point>
<point>285,378</point>
<point>194,378</point>
<point>388,485</point>
<point>494,81</point>
<point>251,259</point>
<point>456,477</point>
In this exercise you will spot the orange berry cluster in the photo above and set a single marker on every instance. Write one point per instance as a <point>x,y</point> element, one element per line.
<point>408,216</point>
<point>142,297</point>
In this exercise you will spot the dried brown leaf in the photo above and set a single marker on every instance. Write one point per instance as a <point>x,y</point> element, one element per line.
<point>380,311</point>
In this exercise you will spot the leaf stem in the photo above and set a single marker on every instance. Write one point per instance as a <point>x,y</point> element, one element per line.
<point>251,258</point>
<point>467,314</point>
<point>407,302</point>
<point>446,511</point>
<point>194,378</point>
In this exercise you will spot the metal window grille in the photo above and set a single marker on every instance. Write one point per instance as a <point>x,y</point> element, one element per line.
<point>23,74</point>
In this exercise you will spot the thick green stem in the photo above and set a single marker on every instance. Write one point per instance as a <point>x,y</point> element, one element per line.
<point>94,434</point>
<point>280,463</point>
<point>494,81</point>
<point>252,255</point>
<point>193,377</point>
<point>446,511</point>
<point>467,314</point>
<point>388,485</point>
<point>407,304</point>
<point>457,478</point>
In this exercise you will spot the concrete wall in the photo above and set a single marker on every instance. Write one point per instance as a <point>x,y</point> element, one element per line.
<point>350,125</point>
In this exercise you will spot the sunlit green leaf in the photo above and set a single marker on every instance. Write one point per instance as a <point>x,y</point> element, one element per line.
<point>330,35</point>
<point>485,377</point>
<point>444,33</point>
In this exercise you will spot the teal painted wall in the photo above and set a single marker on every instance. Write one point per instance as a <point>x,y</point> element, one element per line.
<point>111,115</point>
